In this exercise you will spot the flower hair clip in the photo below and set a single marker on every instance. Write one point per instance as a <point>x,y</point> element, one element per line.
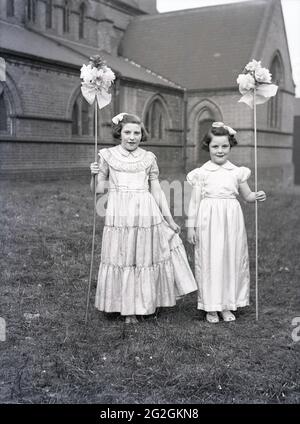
<point>118,118</point>
<point>230,130</point>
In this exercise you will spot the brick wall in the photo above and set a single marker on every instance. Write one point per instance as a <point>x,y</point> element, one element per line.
<point>43,131</point>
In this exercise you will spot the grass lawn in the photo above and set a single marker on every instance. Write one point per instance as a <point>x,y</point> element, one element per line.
<point>50,357</point>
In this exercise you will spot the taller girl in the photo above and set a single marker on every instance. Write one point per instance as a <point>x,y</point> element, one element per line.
<point>143,261</point>
<point>216,227</point>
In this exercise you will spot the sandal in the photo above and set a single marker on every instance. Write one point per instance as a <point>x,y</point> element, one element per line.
<point>212,317</point>
<point>227,316</point>
<point>131,319</point>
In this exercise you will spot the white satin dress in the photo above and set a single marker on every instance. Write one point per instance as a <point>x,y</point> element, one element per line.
<point>221,250</point>
<point>143,261</point>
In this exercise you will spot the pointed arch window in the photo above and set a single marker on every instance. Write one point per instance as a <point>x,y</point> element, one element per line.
<point>66,17</point>
<point>83,120</point>
<point>3,114</point>
<point>31,10</point>
<point>5,120</point>
<point>155,120</point>
<point>274,104</point>
<point>205,120</point>
<point>10,8</point>
<point>81,20</point>
<point>75,119</point>
<point>49,14</point>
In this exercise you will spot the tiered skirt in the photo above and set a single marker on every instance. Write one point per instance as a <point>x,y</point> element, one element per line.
<point>143,261</point>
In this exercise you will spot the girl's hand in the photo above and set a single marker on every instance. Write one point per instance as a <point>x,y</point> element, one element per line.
<point>191,235</point>
<point>175,227</point>
<point>94,167</point>
<point>260,196</point>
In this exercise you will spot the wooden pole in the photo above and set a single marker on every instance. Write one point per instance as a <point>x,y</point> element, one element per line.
<point>256,208</point>
<point>94,219</point>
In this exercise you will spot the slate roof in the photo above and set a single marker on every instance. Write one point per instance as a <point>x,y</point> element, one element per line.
<point>202,48</point>
<point>15,38</point>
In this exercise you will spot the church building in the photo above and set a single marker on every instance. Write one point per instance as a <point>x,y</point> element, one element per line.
<point>176,70</point>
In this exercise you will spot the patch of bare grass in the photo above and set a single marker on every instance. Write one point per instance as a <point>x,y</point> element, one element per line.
<point>51,357</point>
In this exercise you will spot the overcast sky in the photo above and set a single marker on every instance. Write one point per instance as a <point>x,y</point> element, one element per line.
<point>291,11</point>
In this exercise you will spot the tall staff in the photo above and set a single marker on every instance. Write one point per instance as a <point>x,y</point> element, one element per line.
<point>256,86</point>
<point>97,80</point>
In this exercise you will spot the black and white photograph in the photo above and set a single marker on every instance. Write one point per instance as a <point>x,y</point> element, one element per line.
<point>149,205</point>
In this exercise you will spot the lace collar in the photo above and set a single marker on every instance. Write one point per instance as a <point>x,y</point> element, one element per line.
<point>211,166</point>
<point>135,153</point>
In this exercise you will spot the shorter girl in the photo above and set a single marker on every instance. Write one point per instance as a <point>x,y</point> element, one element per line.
<point>216,227</point>
<point>143,261</point>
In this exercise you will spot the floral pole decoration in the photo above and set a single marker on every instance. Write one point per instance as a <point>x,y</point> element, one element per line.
<point>255,85</point>
<point>97,79</point>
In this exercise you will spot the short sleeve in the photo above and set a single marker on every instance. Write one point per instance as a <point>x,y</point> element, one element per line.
<point>243,174</point>
<point>154,171</point>
<point>194,177</point>
<point>103,167</point>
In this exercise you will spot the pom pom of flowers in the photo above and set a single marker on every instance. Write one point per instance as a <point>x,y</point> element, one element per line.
<point>256,77</point>
<point>97,79</point>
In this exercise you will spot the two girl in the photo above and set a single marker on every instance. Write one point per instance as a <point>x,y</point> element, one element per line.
<point>143,261</point>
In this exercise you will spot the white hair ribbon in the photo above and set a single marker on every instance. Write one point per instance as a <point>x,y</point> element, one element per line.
<point>118,118</point>
<point>230,130</point>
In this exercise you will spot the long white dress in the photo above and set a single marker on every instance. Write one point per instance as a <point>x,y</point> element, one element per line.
<point>221,250</point>
<point>143,261</point>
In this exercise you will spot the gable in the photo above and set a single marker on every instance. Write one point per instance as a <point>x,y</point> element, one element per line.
<point>204,48</point>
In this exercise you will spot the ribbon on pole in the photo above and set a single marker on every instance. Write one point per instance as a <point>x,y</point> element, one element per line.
<point>88,92</point>
<point>256,88</point>
<point>97,80</point>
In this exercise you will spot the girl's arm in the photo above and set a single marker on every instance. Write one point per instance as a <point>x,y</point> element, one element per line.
<point>160,198</point>
<point>100,184</point>
<point>251,196</point>
<point>192,214</point>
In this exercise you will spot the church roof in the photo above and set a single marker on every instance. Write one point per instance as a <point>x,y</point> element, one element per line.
<point>27,42</point>
<point>202,48</point>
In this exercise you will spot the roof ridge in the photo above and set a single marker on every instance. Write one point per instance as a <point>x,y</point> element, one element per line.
<point>151,72</point>
<point>198,8</point>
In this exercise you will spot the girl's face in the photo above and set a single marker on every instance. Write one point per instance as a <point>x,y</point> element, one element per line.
<point>131,136</point>
<point>219,149</point>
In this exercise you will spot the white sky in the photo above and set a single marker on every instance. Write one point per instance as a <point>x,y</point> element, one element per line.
<point>291,12</point>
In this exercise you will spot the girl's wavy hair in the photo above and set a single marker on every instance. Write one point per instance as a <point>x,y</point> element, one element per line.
<point>129,118</point>
<point>218,131</point>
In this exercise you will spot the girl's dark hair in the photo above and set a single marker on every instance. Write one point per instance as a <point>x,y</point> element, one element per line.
<point>129,118</point>
<point>215,131</point>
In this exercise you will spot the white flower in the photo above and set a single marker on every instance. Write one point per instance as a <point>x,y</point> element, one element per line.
<point>253,65</point>
<point>88,73</point>
<point>108,74</point>
<point>246,82</point>
<point>263,75</point>
<point>100,73</point>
